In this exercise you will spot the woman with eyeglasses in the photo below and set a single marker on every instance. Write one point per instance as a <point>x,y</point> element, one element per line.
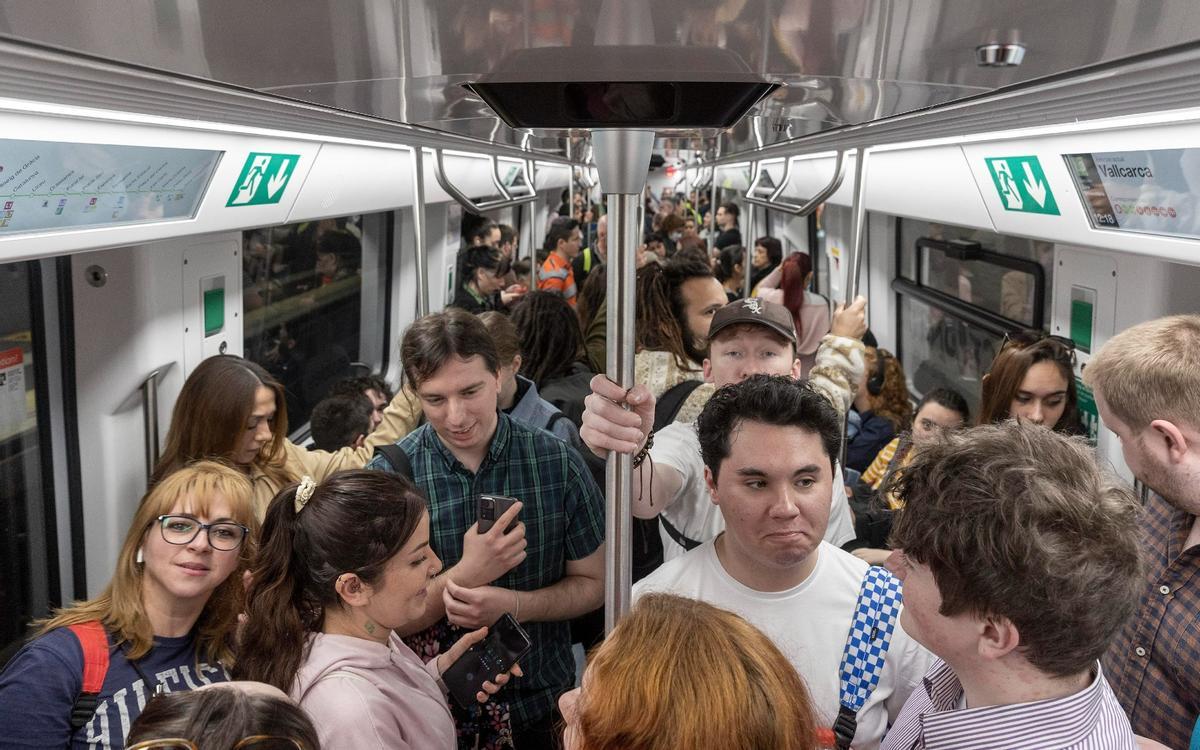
<point>228,716</point>
<point>343,565</point>
<point>1032,379</point>
<point>166,622</point>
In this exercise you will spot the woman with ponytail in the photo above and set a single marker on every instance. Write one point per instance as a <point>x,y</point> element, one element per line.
<point>787,285</point>
<point>165,623</point>
<point>343,564</point>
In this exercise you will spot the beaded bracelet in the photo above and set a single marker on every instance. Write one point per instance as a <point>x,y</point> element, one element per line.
<point>645,451</point>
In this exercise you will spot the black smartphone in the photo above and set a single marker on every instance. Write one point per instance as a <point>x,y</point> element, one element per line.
<point>505,644</point>
<point>490,508</point>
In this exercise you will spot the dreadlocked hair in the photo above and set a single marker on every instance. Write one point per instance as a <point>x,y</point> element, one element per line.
<point>659,322</point>
<point>551,339</point>
<point>593,294</point>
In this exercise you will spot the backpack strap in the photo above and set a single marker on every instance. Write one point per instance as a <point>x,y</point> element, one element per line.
<point>94,641</point>
<point>875,616</point>
<point>669,404</point>
<point>553,421</point>
<point>676,535</point>
<point>398,459</point>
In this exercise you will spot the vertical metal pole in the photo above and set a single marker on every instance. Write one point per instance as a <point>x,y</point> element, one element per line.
<point>418,213</point>
<point>150,421</point>
<point>748,244</point>
<point>622,161</point>
<point>623,236</point>
<point>858,231</point>
<point>570,181</point>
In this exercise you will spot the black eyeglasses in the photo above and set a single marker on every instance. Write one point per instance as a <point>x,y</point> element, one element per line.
<point>222,535</point>
<point>1028,337</point>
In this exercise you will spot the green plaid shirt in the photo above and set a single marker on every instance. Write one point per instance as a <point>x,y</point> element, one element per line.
<point>563,514</point>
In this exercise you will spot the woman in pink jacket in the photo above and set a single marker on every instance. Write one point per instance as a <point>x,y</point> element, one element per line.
<point>341,566</point>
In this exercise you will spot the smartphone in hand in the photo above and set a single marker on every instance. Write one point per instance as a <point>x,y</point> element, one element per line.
<point>506,643</point>
<point>490,508</point>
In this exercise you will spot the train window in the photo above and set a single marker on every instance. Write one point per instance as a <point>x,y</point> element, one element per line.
<point>1000,274</point>
<point>303,296</point>
<point>28,568</point>
<point>960,290</point>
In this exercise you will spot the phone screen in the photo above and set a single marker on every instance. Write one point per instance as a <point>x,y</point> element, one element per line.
<point>506,643</point>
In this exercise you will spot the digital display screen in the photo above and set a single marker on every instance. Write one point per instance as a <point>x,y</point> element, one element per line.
<point>1152,192</point>
<point>51,185</point>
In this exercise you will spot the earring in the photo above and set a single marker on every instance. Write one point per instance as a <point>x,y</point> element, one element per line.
<point>139,559</point>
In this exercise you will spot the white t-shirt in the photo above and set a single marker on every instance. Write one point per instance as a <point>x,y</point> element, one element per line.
<point>692,511</point>
<point>809,624</point>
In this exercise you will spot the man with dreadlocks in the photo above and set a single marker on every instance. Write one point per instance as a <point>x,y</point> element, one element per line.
<point>551,346</point>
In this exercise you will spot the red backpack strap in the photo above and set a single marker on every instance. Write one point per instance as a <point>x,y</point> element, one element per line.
<point>94,641</point>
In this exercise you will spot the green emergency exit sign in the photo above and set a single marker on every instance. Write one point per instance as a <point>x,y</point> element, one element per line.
<point>263,179</point>
<point>1022,184</point>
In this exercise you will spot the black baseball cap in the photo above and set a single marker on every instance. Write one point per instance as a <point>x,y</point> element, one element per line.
<point>754,310</point>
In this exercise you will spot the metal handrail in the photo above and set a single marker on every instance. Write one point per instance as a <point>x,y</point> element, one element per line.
<point>774,203</point>
<point>439,173</point>
<point>149,390</point>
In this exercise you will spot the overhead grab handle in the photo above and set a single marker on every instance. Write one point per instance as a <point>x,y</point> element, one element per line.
<point>774,203</point>
<point>439,173</point>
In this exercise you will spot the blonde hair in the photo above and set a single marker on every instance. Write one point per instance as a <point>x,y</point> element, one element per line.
<point>119,607</point>
<point>1151,371</point>
<point>653,684</point>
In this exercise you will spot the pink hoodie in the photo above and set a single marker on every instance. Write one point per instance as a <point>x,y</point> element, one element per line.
<point>363,695</point>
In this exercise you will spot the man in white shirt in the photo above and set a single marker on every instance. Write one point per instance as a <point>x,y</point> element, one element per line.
<point>746,337</point>
<point>768,445</point>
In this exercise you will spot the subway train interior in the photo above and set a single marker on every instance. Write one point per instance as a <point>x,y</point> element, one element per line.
<point>167,166</point>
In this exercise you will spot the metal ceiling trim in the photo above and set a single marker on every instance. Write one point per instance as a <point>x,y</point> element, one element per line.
<point>48,75</point>
<point>1158,81</point>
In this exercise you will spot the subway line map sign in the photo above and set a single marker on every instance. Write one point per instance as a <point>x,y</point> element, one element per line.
<point>53,185</point>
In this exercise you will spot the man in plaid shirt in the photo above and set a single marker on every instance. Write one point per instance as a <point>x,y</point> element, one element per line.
<point>1147,385</point>
<point>546,570</point>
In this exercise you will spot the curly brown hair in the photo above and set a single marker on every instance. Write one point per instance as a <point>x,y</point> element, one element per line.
<point>892,402</point>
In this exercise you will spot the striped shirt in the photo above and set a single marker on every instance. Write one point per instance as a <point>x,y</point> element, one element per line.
<point>934,719</point>
<point>563,514</point>
<point>1154,662</point>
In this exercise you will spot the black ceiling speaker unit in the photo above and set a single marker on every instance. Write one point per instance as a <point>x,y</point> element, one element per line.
<point>621,86</point>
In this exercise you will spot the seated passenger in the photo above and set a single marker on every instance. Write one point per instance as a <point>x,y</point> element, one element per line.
<point>551,345</point>
<point>675,305</point>
<point>642,689</point>
<point>165,623</point>
<point>481,273</point>
<point>787,285</point>
<point>769,444</point>
<point>1020,561</point>
<point>344,564</point>
<point>232,409</point>
<point>225,716</point>
<point>1147,380</point>
<point>341,422</point>
<point>543,577</point>
<point>1032,379</point>
<point>747,338</point>
<point>883,408</point>
<point>562,245</point>
<point>373,386</point>
<point>940,410</point>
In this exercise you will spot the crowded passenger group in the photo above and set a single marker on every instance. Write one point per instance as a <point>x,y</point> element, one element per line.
<point>817,563</point>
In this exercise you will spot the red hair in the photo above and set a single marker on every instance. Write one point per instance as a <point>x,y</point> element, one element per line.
<point>794,272</point>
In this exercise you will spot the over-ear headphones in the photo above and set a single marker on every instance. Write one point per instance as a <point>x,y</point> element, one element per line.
<point>879,377</point>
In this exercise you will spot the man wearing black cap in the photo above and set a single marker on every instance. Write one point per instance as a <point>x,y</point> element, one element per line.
<point>746,337</point>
